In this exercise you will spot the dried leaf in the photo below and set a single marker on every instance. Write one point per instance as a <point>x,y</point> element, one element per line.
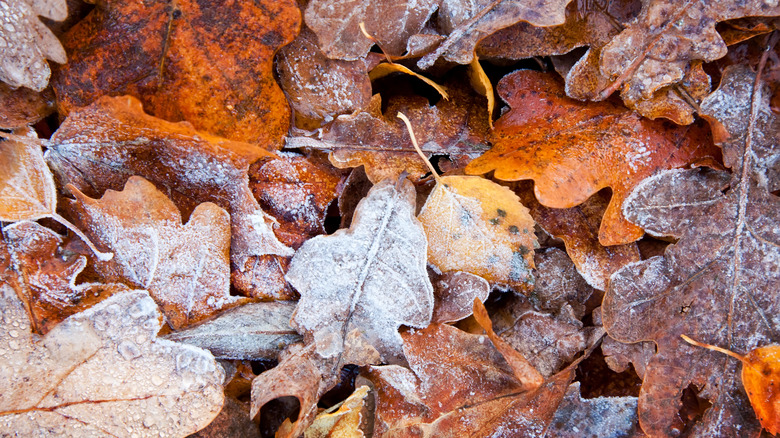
<point>388,68</point>
<point>718,283</point>
<point>481,82</point>
<point>233,420</point>
<point>370,278</point>
<point>468,23</point>
<point>99,147</point>
<point>344,422</point>
<point>26,184</point>
<point>185,267</point>
<point>254,331</point>
<point>102,373</point>
<point>558,283</point>
<point>477,226</point>
<point>317,87</point>
<point>175,55</point>
<point>26,43</point>
<point>615,148</point>
<point>455,292</point>
<point>22,107</point>
<point>603,417</point>
<point>336,23</point>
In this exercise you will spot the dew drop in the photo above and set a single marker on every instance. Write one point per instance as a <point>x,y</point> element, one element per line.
<point>157,380</point>
<point>128,350</point>
<point>13,345</point>
<point>13,334</point>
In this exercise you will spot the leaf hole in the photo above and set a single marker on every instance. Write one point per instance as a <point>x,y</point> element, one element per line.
<point>273,414</point>
<point>598,380</point>
<point>692,409</point>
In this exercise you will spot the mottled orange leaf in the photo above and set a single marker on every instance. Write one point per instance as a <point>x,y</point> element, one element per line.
<point>210,64</point>
<point>573,149</point>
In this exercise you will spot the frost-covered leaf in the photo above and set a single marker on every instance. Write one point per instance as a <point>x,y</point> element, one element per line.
<point>391,22</point>
<point>370,278</point>
<point>185,267</point>
<point>718,284</point>
<point>26,185</point>
<point>603,417</point>
<point>102,372</point>
<point>477,226</point>
<point>254,331</point>
<point>344,422</point>
<point>455,292</point>
<point>26,43</point>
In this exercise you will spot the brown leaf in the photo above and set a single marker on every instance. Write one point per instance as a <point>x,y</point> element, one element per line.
<point>477,226</point>
<point>99,147</point>
<point>456,128</point>
<point>370,277</point>
<point>558,283</point>
<point>717,283</point>
<point>336,24</point>
<point>233,420</point>
<point>467,23</point>
<point>573,149</point>
<point>343,423</point>
<point>102,372</point>
<point>22,107</point>
<point>27,42</point>
<point>454,292</point>
<point>317,87</point>
<point>619,356</point>
<point>185,267</point>
<point>174,57</point>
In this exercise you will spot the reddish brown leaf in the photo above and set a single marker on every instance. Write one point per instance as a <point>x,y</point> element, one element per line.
<point>573,149</point>
<point>454,292</point>
<point>22,107</point>
<point>558,284</point>
<point>173,57</point>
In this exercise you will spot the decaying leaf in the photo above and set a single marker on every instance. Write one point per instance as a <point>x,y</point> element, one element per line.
<point>22,106</point>
<point>26,184</point>
<point>343,422</point>
<point>467,23</point>
<point>102,372</point>
<point>603,417</point>
<point>174,55</point>
<point>185,267</point>
<point>99,147</point>
<point>477,226</point>
<point>719,282</point>
<point>336,23</point>
<point>371,277</point>
<point>558,284</point>
<point>573,149</point>
<point>455,292</point>
<point>233,421</point>
<point>26,43</point>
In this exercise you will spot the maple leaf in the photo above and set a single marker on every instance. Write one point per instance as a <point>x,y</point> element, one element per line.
<point>370,278</point>
<point>718,282</point>
<point>26,43</point>
<point>175,55</point>
<point>102,372</point>
<point>573,149</point>
<point>467,23</point>
<point>185,267</point>
<point>99,147</point>
<point>336,23</point>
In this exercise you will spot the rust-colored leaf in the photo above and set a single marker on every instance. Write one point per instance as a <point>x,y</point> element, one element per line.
<point>718,283</point>
<point>185,267</point>
<point>455,292</point>
<point>22,107</point>
<point>573,149</point>
<point>99,147</point>
<point>173,57</point>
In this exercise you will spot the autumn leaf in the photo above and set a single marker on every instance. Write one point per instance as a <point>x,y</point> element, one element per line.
<point>174,55</point>
<point>573,149</point>
<point>22,107</point>
<point>370,278</point>
<point>603,417</point>
<point>99,147</point>
<point>27,43</point>
<point>343,422</point>
<point>717,283</point>
<point>454,293</point>
<point>102,373</point>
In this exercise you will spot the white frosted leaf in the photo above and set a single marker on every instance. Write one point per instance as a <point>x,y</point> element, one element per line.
<point>103,372</point>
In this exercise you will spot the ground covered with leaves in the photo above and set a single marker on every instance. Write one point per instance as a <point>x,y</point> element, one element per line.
<point>429,218</point>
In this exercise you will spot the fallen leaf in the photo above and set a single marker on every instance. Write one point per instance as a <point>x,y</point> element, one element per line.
<point>467,23</point>
<point>603,417</point>
<point>176,55</point>
<point>573,149</point>
<point>578,228</point>
<point>370,278</point>
<point>254,331</point>
<point>388,68</point>
<point>22,107</point>
<point>336,24</point>
<point>101,372</point>
<point>317,87</point>
<point>481,82</point>
<point>454,292</point>
<point>343,423</point>
<point>233,420</point>
<point>101,146</point>
<point>620,356</point>
<point>558,283</point>
<point>185,267</point>
<point>477,226</point>
<point>27,43</point>
<point>718,282</point>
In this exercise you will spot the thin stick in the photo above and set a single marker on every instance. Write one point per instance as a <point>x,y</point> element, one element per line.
<point>712,347</point>
<point>403,117</point>
<point>103,256</point>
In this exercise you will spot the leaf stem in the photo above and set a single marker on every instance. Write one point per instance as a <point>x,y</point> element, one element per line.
<point>714,348</point>
<point>102,256</point>
<point>403,117</point>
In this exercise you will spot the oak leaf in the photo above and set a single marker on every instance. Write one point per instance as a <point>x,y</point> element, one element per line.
<point>185,267</point>
<point>370,277</point>
<point>477,226</point>
<point>102,372</point>
<point>99,147</point>
<point>718,283</point>
<point>573,149</point>
<point>27,43</point>
<point>174,55</point>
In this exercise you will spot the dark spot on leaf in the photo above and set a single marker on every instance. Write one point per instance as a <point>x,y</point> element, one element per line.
<point>501,212</point>
<point>513,229</point>
<point>495,221</point>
